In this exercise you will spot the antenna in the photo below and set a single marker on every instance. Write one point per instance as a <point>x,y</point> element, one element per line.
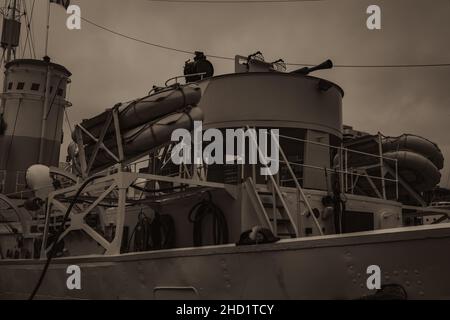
<point>48,29</point>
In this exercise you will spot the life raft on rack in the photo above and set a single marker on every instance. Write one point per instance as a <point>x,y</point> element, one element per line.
<point>419,160</point>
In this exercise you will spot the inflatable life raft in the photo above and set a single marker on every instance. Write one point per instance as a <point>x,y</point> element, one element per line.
<point>419,160</point>
<point>153,106</point>
<point>416,144</point>
<point>145,123</point>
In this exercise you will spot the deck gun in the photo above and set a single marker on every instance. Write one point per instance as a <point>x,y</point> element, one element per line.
<point>307,70</point>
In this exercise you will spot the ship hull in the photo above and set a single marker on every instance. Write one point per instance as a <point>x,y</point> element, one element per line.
<point>331,267</point>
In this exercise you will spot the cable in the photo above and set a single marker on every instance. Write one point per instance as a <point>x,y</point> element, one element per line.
<point>382,65</point>
<point>59,233</point>
<point>429,65</point>
<point>13,133</point>
<point>69,124</point>
<point>31,29</point>
<point>219,223</point>
<point>28,30</point>
<point>143,189</point>
<point>54,98</point>
<point>135,39</point>
<point>233,1</point>
<point>29,37</point>
<point>153,234</point>
<point>141,233</point>
<point>65,109</point>
<point>104,205</point>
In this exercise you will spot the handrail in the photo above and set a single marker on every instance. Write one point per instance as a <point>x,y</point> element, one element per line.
<point>332,170</point>
<point>277,188</point>
<point>184,76</point>
<point>335,147</point>
<point>20,215</point>
<point>350,172</point>
<point>259,207</point>
<point>346,172</point>
<point>299,188</point>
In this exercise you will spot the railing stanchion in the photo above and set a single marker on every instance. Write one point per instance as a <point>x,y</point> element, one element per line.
<point>382,173</point>
<point>299,188</point>
<point>396,179</point>
<point>346,169</point>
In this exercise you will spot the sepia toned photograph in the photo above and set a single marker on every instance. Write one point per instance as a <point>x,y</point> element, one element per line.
<point>217,152</point>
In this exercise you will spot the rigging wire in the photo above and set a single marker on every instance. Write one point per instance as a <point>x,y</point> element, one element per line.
<point>29,20</point>
<point>28,30</point>
<point>54,98</point>
<point>21,46</point>
<point>135,39</point>
<point>65,110</point>
<point>428,65</point>
<point>30,26</point>
<point>13,133</point>
<point>233,1</point>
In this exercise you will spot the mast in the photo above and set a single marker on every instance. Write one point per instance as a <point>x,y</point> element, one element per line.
<point>10,44</point>
<point>47,90</point>
<point>45,111</point>
<point>48,28</point>
<point>9,41</point>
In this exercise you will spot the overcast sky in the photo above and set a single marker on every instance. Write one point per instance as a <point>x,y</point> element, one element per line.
<point>108,69</point>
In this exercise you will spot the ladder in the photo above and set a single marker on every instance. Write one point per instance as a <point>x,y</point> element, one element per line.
<point>277,214</point>
<point>277,191</point>
<point>272,210</point>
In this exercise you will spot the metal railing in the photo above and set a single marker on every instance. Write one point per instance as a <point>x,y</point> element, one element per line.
<point>349,174</point>
<point>344,164</point>
<point>2,180</point>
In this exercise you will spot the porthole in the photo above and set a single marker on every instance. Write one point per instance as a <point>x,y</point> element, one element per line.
<point>35,87</point>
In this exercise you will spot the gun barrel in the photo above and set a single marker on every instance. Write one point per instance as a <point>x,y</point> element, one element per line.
<point>324,65</point>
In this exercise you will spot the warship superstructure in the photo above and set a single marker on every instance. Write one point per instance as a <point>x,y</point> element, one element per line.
<point>140,226</point>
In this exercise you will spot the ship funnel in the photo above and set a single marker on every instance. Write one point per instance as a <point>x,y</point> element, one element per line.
<point>305,71</point>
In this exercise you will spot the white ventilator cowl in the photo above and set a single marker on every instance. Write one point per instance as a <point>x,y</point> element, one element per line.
<point>39,180</point>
